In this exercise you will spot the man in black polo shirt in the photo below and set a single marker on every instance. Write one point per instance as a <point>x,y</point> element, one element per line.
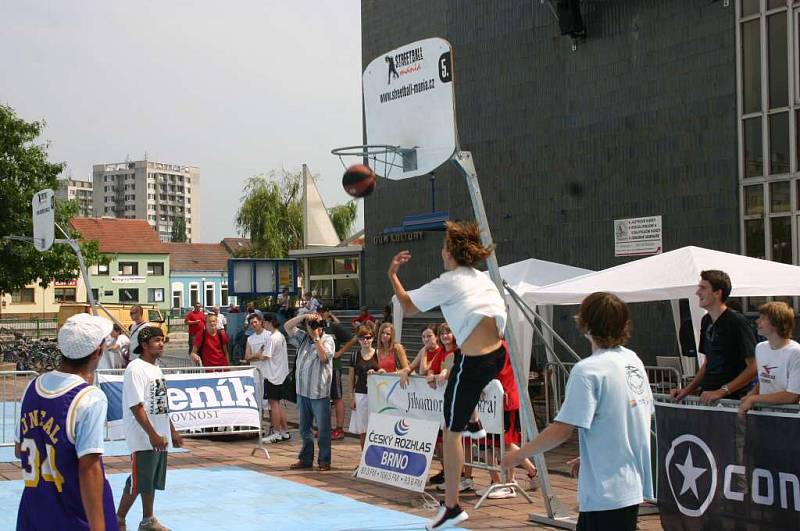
<point>728,342</point>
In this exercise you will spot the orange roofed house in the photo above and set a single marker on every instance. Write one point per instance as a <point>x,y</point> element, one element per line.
<point>199,273</point>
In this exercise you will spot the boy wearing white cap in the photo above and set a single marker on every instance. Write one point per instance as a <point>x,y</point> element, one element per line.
<point>59,437</point>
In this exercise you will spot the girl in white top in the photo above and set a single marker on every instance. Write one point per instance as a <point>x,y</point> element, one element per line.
<point>475,310</point>
<point>777,359</point>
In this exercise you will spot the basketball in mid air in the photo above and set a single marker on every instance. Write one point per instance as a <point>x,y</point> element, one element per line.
<point>359,180</point>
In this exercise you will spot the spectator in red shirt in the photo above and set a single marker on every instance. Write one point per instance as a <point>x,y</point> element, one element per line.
<point>364,318</point>
<point>196,319</point>
<point>210,346</point>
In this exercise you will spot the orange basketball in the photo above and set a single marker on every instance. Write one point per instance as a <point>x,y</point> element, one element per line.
<point>358,180</point>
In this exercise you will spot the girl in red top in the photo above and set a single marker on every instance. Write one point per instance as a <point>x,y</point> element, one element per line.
<point>390,353</point>
<point>429,359</point>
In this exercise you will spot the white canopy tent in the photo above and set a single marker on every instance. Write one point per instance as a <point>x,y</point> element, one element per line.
<point>523,277</point>
<point>673,276</point>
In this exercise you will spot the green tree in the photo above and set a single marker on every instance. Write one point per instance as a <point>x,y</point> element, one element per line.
<point>271,213</point>
<point>25,170</point>
<point>178,230</point>
<point>343,217</point>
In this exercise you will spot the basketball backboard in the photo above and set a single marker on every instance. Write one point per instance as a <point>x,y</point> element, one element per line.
<point>44,218</point>
<point>409,102</point>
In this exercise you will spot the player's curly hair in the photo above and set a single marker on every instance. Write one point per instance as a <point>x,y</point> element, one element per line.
<point>463,242</point>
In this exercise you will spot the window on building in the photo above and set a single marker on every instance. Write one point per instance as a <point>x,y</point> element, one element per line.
<point>223,294</point>
<point>100,269</point>
<point>23,296</point>
<point>177,297</point>
<point>320,266</point>
<point>129,268</point>
<point>194,293</point>
<point>63,295</point>
<point>768,33</point>
<point>129,295</point>
<point>155,294</point>
<point>209,292</point>
<point>96,294</point>
<point>155,269</point>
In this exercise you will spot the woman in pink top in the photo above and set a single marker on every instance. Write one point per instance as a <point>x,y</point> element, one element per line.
<point>390,353</point>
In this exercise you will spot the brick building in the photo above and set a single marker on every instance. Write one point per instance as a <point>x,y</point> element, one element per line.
<point>646,117</point>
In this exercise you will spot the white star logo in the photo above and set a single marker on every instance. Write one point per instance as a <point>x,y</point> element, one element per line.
<point>690,474</point>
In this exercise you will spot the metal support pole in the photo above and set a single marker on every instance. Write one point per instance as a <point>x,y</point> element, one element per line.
<point>556,516</point>
<point>82,264</point>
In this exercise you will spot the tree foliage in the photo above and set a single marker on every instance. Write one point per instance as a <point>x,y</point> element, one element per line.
<point>343,217</point>
<point>271,213</point>
<point>25,170</point>
<point>178,230</point>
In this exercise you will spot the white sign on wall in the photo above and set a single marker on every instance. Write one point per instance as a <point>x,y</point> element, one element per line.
<point>128,279</point>
<point>638,236</point>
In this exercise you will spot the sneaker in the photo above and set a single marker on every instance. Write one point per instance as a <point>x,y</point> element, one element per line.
<point>274,438</point>
<point>446,518</point>
<point>355,471</point>
<point>285,436</point>
<point>464,485</point>
<point>501,493</point>
<point>474,430</point>
<point>152,524</point>
<point>533,481</point>
<point>438,479</point>
<point>337,434</point>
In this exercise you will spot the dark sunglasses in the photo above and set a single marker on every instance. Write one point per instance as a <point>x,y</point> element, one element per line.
<point>365,337</point>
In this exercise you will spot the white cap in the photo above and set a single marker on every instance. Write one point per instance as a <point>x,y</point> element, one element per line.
<point>82,334</point>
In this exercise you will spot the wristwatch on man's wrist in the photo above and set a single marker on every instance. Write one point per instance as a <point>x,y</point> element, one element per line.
<point>725,389</point>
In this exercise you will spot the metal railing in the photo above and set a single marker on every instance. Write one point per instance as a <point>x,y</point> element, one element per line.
<point>35,328</point>
<point>12,389</point>
<point>662,380</point>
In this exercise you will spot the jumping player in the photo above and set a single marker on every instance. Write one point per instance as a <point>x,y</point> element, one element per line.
<point>475,310</point>
<point>59,437</point>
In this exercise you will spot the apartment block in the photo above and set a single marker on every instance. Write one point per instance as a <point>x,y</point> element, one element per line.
<point>158,192</point>
<point>81,191</point>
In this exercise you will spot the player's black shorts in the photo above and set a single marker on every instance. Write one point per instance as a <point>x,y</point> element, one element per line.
<point>275,392</point>
<point>623,519</point>
<point>336,385</point>
<point>468,377</point>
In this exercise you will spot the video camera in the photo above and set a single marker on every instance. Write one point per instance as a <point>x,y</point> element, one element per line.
<point>313,325</point>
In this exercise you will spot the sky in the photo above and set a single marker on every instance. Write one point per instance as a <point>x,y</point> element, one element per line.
<point>235,88</point>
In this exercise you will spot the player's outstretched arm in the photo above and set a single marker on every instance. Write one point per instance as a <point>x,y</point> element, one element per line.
<point>552,436</point>
<point>90,479</point>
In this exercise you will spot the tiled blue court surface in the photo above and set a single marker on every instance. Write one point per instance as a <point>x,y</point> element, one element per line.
<point>234,498</point>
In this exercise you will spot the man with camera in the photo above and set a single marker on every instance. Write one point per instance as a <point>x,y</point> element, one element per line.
<point>315,350</point>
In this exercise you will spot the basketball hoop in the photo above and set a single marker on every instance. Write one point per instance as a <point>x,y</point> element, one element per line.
<point>381,158</point>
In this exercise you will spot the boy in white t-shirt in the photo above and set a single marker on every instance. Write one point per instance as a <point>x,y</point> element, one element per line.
<point>148,428</point>
<point>608,399</point>
<point>777,359</point>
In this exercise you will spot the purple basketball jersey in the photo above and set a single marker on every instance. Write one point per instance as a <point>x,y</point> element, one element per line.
<point>52,497</point>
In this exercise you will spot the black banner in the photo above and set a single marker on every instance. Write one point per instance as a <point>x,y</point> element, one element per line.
<point>719,471</point>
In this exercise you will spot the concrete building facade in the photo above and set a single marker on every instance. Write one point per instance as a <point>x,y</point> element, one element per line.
<point>685,110</point>
<point>78,190</point>
<point>154,191</point>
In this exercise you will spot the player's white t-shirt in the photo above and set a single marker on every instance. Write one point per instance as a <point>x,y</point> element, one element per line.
<point>261,344</point>
<point>465,296</point>
<point>608,399</point>
<point>778,370</point>
<point>276,368</point>
<point>144,383</point>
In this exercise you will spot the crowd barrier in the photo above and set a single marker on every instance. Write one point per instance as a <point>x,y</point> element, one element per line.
<point>662,380</point>
<point>215,393</point>
<point>716,465</point>
<point>12,387</point>
<point>418,400</point>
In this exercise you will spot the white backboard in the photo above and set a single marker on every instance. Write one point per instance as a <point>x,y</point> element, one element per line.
<point>409,102</point>
<point>44,218</point>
